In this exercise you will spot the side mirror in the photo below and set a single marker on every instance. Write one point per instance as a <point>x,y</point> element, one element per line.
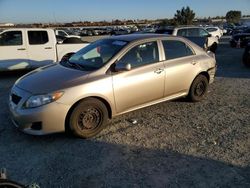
<point>209,35</point>
<point>67,56</point>
<point>122,67</point>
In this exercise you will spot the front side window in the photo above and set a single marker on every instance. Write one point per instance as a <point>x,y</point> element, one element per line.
<point>11,38</point>
<point>38,37</point>
<point>176,49</point>
<point>140,55</point>
<point>97,54</point>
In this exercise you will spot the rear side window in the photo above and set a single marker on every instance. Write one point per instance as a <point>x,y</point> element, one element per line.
<point>38,37</point>
<point>193,32</point>
<point>176,49</point>
<point>203,32</point>
<point>189,32</point>
<point>11,38</point>
<point>182,32</point>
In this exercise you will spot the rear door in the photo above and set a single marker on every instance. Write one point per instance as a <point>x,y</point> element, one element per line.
<point>41,49</point>
<point>180,61</point>
<point>144,82</point>
<point>13,50</point>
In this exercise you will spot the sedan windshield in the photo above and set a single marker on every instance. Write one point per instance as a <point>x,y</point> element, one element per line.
<point>97,54</point>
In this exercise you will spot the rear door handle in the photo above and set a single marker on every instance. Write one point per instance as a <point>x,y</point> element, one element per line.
<point>159,71</point>
<point>48,48</point>
<point>21,49</point>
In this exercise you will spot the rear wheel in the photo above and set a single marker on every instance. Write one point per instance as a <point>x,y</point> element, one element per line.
<point>198,88</point>
<point>88,118</point>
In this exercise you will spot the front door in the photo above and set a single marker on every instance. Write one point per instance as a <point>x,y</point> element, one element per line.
<point>144,82</point>
<point>13,50</point>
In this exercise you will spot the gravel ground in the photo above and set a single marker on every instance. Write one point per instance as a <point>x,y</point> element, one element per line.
<point>173,144</point>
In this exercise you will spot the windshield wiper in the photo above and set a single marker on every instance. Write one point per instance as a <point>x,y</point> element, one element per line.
<point>76,65</point>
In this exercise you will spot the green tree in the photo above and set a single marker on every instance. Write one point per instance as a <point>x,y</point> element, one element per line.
<point>167,22</point>
<point>233,16</point>
<point>185,16</point>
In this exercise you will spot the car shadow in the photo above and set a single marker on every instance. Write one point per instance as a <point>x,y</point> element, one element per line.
<point>59,161</point>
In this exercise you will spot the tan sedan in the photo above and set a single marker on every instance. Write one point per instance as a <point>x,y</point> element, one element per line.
<point>107,78</point>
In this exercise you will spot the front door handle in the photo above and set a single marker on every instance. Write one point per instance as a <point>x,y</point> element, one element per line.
<point>21,49</point>
<point>158,71</point>
<point>48,48</point>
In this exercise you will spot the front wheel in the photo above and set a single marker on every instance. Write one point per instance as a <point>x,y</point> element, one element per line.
<point>88,118</point>
<point>198,88</point>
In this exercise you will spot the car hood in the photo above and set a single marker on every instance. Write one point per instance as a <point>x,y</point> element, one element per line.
<point>51,78</point>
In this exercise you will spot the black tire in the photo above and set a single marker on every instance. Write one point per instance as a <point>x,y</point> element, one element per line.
<point>198,89</point>
<point>213,48</point>
<point>88,118</point>
<point>10,184</point>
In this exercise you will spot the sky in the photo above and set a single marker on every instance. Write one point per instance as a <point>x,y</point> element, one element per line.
<point>44,11</point>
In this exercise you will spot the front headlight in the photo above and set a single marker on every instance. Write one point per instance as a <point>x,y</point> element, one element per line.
<point>39,100</point>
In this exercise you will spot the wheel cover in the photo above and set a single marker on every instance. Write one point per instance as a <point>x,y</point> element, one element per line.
<point>89,119</point>
<point>200,89</point>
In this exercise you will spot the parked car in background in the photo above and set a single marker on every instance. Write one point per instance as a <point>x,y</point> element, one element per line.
<point>64,34</point>
<point>119,31</point>
<point>240,39</point>
<point>215,31</point>
<point>107,78</point>
<point>240,29</point>
<point>197,35</point>
<point>246,55</point>
<point>31,48</point>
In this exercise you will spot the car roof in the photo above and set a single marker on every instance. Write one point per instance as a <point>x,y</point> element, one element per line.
<point>179,27</point>
<point>135,37</point>
<point>28,28</point>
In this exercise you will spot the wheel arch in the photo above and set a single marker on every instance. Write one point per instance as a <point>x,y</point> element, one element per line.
<point>105,102</point>
<point>204,73</point>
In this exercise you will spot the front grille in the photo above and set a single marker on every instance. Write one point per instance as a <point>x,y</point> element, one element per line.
<point>15,98</point>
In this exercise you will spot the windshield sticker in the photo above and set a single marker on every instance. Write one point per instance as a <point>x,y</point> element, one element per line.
<point>119,43</point>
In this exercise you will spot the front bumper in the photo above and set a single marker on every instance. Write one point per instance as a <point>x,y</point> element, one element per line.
<point>50,117</point>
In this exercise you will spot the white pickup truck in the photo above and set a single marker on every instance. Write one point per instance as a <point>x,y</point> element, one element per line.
<point>31,48</point>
